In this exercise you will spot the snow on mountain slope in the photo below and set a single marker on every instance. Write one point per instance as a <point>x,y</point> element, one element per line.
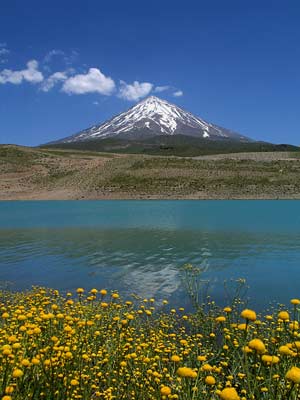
<point>151,117</point>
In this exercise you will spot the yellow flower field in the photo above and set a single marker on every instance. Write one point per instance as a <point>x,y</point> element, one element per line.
<point>97,346</point>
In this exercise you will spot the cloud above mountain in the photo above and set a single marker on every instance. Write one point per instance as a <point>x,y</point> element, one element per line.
<point>69,80</point>
<point>3,53</point>
<point>53,80</point>
<point>30,74</point>
<point>68,58</point>
<point>94,81</point>
<point>159,89</point>
<point>178,93</point>
<point>134,91</point>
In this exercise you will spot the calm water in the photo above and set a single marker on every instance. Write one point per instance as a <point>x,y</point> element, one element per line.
<point>139,246</point>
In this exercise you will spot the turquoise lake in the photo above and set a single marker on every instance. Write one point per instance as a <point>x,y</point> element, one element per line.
<point>140,246</point>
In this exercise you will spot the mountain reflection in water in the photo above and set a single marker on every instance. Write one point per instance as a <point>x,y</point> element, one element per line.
<point>145,261</point>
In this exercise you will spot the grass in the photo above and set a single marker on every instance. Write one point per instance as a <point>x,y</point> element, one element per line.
<point>96,345</point>
<point>72,153</point>
<point>187,176</point>
<point>17,157</point>
<point>178,145</point>
<point>96,175</point>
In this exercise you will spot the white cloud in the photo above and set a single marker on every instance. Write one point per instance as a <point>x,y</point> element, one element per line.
<point>134,91</point>
<point>178,93</point>
<point>91,82</point>
<point>53,79</point>
<point>30,74</point>
<point>52,53</point>
<point>67,58</point>
<point>3,52</point>
<point>71,58</point>
<point>160,89</point>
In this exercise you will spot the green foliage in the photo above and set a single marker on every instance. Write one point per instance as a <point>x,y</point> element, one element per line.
<point>179,145</point>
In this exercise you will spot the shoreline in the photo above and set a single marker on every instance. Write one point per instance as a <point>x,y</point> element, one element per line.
<point>54,197</point>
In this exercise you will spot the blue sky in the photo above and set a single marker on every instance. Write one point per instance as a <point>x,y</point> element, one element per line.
<point>67,65</point>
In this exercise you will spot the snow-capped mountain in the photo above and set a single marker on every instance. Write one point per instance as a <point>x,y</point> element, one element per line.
<point>153,117</point>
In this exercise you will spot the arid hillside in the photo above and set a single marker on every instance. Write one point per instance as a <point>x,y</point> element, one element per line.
<point>30,173</point>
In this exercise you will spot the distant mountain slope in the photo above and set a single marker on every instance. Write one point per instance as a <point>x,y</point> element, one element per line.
<point>154,117</point>
<point>177,145</point>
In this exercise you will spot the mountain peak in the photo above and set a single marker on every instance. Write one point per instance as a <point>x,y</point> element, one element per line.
<point>150,117</point>
<point>151,98</point>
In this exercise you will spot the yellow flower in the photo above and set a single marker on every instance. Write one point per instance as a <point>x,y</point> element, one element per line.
<point>295,301</point>
<point>270,359</point>
<point>210,380</point>
<point>25,362</point>
<point>175,358</point>
<point>6,350</point>
<point>257,345</point>
<point>206,367</point>
<point>229,394</point>
<point>80,290</point>
<point>227,309</point>
<point>103,292</point>
<point>74,382</point>
<point>221,319</point>
<point>250,315</point>
<point>297,345</point>
<point>285,350</point>
<point>9,389</point>
<point>186,372</point>
<point>246,349</point>
<point>165,391</point>
<point>284,315</point>
<point>294,325</point>
<point>17,373</point>
<point>115,296</point>
<point>293,375</point>
<point>6,398</point>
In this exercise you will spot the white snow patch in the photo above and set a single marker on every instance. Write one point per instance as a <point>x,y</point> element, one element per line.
<point>149,113</point>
